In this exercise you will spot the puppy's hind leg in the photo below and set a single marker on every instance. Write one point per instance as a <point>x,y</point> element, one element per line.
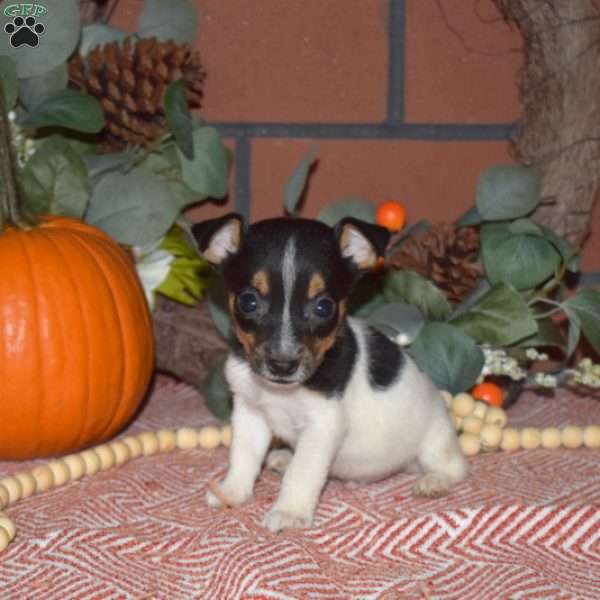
<point>441,459</point>
<point>279,459</point>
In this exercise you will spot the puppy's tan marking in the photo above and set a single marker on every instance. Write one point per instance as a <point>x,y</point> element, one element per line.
<point>260,280</point>
<point>247,340</point>
<point>324,344</point>
<point>316,285</point>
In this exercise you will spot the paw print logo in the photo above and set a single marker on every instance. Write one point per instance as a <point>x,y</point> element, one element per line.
<point>24,31</point>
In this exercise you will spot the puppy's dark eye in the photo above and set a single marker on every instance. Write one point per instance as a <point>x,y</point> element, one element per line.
<point>247,302</point>
<point>324,308</point>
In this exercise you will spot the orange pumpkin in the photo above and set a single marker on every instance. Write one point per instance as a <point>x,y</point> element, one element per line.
<point>76,342</point>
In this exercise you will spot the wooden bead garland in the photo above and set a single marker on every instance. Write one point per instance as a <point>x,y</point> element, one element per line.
<point>60,471</point>
<point>483,428</point>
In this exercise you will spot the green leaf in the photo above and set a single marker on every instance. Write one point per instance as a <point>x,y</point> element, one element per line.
<point>470,217</point>
<point>507,192</point>
<point>522,260</point>
<point>526,226</point>
<point>61,33</point>
<point>34,91</point>
<point>501,317</point>
<point>175,20</point>
<point>351,207</point>
<point>408,232</point>
<point>136,208</point>
<point>217,394</point>
<point>548,334</point>
<point>411,288</point>
<point>8,77</point>
<point>100,164</point>
<point>585,305</point>
<point>208,173</point>
<point>574,332</point>
<point>565,249</point>
<point>450,357</point>
<point>179,119</point>
<point>98,34</point>
<point>296,184</point>
<point>397,319</point>
<point>483,287</point>
<point>70,109</point>
<point>55,180</point>
<point>217,306</point>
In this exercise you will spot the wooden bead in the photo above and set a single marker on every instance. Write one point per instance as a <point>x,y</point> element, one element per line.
<point>480,409</point>
<point>497,415</point>
<point>186,438</point>
<point>27,482</point>
<point>457,421</point>
<point>76,466</point>
<point>91,460</point>
<point>106,456</point>
<point>462,404</point>
<point>166,440</point>
<point>209,438</point>
<point>60,472</point>
<point>530,438</point>
<point>511,440</point>
<point>490,436</point>
<point>4,497</point>
<point>4,539</point>
<point>550,438</point>
<point>469,444</point>
<point>572,437</point>
<point>226,434</point>
<point>134,445</point>
<point>149,443</point>
<point>9,526</point>
<point>447,396</point>
<point>121,451</point>
<point>13,487</point>
<point>591,436</point>
<point>472,424</point>
<point>44,479</point>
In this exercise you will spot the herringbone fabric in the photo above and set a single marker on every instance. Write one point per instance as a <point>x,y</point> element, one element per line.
<point>523,526</point>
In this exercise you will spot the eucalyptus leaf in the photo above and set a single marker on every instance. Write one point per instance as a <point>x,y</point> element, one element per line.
<point>396,319</point>
<point>8,77</point>
<point>411,288</point>
<point>585,305</point>
<point>70,109</point>
<point>216,392</point>
<point>408,232</point>
<point>61,24</point>
<point>55,180</point>
<point>98,34</point>
<point>207,174</point>
<point>525,226</point>
<point>507,192</point>
<point>522,260</point>
<point>548,334</point>
<point>450,357</point>
<point>351,207</point>
<point>483,287</point>
<point>100,164</point>
<point>470,217</point>
<point>574,332</point>
<point>296,184</point>
<point>136,208</point>
<point>175,20</point>
<point>565,249</point>
<point>34,91</point>
<point>179,118</point>
<point>501,317</point>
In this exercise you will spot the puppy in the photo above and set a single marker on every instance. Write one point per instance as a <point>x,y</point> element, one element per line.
<point>349,402</point>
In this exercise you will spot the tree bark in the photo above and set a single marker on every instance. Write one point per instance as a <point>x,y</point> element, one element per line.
<point>559,133</point>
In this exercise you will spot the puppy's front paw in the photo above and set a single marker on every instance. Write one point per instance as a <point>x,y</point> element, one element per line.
<point>225,494</point>
<point>432,485</point>
<point>278,520</point>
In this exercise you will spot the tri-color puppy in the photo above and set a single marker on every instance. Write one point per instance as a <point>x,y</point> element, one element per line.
<point>347,400</point>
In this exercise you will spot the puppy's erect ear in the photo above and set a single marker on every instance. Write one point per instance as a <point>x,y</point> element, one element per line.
<point>217,238</point>
<point>361,242</point>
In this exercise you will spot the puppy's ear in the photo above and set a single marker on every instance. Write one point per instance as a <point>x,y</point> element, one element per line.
<point>361,242</point>
<point>218,238</point>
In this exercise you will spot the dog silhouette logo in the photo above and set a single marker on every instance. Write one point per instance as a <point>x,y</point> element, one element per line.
<point>25,28</point>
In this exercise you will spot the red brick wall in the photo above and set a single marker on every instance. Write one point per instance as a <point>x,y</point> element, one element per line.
<point>405,99</point>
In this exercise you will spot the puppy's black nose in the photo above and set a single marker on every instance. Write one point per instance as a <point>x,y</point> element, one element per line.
<point>282,366</point>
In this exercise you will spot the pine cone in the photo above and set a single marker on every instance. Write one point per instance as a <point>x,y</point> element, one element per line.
<point>129,79</point>
<point>447,255</point>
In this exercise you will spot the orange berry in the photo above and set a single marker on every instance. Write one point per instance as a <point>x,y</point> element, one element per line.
<point>391,214</point>
<point>488,392</point>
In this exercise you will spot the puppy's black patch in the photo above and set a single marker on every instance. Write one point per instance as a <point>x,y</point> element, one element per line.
<point>333,374</point>
<point>386,360</point>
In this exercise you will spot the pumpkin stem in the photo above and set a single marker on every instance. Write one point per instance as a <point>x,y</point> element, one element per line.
<point>11,192</point>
